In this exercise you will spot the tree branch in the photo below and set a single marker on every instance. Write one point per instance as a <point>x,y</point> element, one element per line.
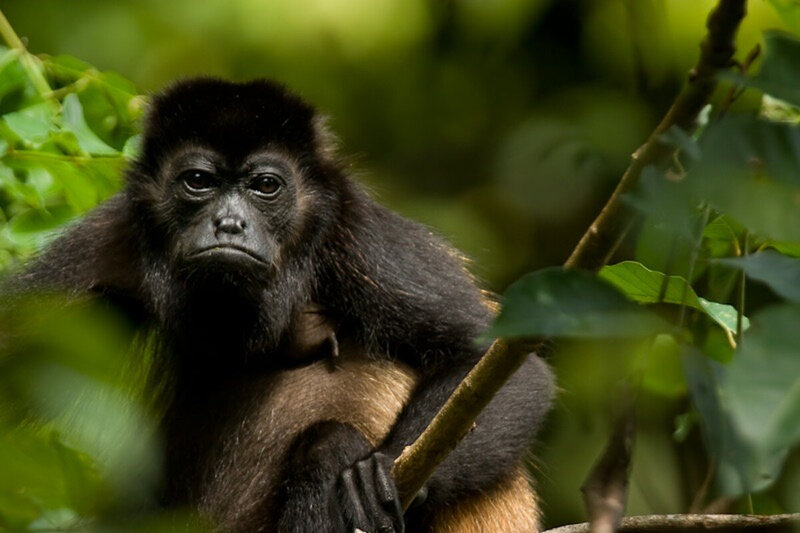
<point>697,522</point>
<point>504,357</point>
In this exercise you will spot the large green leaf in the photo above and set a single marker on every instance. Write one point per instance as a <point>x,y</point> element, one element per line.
<point>641,284</point>
<point>742,466</point>
<point>763,384</point>
<point>564,303</point>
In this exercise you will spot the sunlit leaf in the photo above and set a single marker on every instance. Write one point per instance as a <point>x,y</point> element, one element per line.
<point>786,248</point>
<point>643,285</point>
<point>33,124</point>
<point>72,115</point>
<point>132,147</point>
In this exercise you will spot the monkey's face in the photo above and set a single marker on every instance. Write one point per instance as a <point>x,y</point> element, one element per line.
<point>230,216</point>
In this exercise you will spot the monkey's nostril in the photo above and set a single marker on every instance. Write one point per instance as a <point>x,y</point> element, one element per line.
<point>232,225</point>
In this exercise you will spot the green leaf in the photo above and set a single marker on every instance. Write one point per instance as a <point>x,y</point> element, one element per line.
<point>786,248</point>
<point>20,192</point>
<point>33,228</point>
<point>666,202</point>
<point>81,477</point>
<point>662,373</point>
<point>749,170</point>
<point>741,465</point>
<point>641,284</point>
<point>763,382</point>
<point>565,303</point>
<point>72,115</point>
<point>132,147</point>
<point>33,124</point>
<point>780,273</point>
<point>721,236</point>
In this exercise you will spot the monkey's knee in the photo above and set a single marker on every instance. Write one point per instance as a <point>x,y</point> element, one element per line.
<point>510,506</point>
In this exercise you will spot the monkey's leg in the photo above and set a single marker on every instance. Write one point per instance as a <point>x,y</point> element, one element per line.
<point>316,498</point>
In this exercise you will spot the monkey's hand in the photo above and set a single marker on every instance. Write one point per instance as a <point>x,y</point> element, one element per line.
<point>368,496</point>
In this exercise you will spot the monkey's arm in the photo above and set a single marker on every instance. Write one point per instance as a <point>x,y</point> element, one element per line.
<point>95,253</point>
<point>409,297</point>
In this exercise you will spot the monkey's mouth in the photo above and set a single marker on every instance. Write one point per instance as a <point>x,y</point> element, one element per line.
<point>228,252</point>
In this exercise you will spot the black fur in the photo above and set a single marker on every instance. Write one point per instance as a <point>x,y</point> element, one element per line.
<point>389,286</point>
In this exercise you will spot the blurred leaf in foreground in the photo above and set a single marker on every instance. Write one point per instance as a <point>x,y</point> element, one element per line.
<point>780,70</point>
<point>569,303</point>
<point>763,382</point>
<point>777,271</point>
<point>749,171</point>
<point>741,466</point>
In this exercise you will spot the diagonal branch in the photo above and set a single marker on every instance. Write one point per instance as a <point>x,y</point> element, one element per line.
<point>504,357</point>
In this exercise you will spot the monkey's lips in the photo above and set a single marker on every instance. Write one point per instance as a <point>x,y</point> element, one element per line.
<point>228,252</point>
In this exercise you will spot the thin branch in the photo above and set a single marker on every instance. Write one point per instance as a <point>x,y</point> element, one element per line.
<point>716,53</point>
<point>28,61</point>
<point>458,415</point>
<point>697,522</point>
<point>605,491</point>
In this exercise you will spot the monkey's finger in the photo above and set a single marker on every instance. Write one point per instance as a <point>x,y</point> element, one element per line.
<point>381,521</point>
<point>353,502</point>
<point>387,491</point>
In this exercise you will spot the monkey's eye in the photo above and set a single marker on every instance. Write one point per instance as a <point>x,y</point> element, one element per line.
<point>266,185</point>
<point>197,180</point>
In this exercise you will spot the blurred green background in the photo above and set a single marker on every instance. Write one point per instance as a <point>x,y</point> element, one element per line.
<point>503,124</point>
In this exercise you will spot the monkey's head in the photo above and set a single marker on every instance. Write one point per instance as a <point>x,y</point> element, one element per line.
<point>232,178</point>
<point>232,195</point>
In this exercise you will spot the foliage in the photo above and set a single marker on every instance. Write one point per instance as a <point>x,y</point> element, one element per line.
<point>62,149</point>
<point>78,448</point>
<point>703,311</point>
<point>736,195</point>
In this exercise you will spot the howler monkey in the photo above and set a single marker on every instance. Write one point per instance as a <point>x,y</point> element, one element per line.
<point>307,334</point>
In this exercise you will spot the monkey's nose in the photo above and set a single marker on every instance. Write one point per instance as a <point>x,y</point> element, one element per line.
<point>230,225</point>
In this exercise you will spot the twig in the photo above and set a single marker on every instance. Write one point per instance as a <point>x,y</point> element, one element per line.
<point>736,90</point>
<point>697,522</point>
<point>26,59</point>
<point>454,420</point>
<point>716,53</point>
<point>605,491</point>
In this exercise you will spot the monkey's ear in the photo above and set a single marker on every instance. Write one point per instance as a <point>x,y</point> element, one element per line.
<point>327,142</point>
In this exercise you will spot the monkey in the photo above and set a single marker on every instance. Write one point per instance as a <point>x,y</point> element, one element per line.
<point>306,333</point>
